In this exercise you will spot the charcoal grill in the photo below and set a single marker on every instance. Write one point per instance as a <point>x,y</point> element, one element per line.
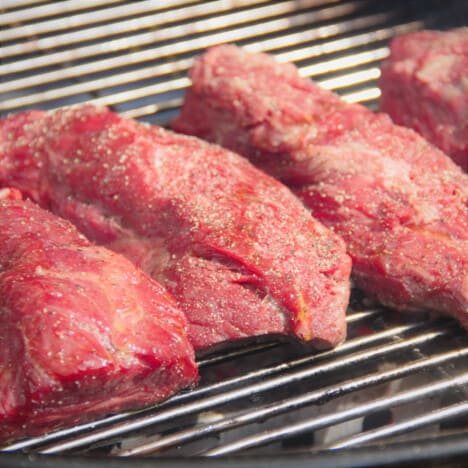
<point>397,391</point>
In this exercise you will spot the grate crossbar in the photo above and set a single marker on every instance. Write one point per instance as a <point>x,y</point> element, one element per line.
<point>273,383</point>
<point>357,411</point>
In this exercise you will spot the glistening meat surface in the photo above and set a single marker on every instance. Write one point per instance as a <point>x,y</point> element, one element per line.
<point>399,203</point>
<point>239,252</point>
<point>424,86</point>
<point>84,333</point>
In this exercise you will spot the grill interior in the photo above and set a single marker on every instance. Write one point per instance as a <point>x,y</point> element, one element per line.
<point>397,378</point>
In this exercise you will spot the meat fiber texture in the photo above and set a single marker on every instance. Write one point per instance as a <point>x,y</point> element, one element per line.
<point>84,332</point>
<point>424,86</point>
<point>239,252</point>
<point>399,203</point>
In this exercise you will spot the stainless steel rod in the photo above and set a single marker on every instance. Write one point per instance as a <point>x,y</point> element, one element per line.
<point>269,44</point>
<point>125,78</point>
<point>338,417</point>
<point>347,347</point>
<point>434,417</point>
<point>259,414</point>
<point>286,378</point>
<point>85,19</point>
<point>50,9</point>
<point>172,32</point>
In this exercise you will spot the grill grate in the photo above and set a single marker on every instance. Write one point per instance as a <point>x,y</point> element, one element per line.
<point>134,56</point>
<point>395,376</point>
<point>395,363</point>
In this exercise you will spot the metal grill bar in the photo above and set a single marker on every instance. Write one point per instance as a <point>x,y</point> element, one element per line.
<point>350,79</point>
<point>135,58</point>
<point>7,4</point>
<point>312,52</point>
<point>163,34</point>
<point>345,62</point>
<point>150,109</point>
<point>285,378</point>
<point>93,17</point>
<point>87,86</point>
<point>184,64</point>
<point>181,83</point>
<point>350,345</point>
<point>363,314</point>
<point>51,9</point>
<point>275,409</point>
<point>360,410</point>
<point>434,417</point>
<point>142,92</point>
<point>361,96</point>
<point>365,95</point>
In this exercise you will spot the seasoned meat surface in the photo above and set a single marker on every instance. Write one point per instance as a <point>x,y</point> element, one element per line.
<point>399,203</point>
<point>84,333</point>
<point>424,85</point>
<point>239,252</point>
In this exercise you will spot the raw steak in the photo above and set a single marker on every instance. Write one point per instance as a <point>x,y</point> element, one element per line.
<point>239,252</point>
<point>424,86</point>
<point>399,203</point>
<point>84,333</point>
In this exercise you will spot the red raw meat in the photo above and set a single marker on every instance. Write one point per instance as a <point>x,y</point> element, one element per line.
<point>84,333</point>
<point>239,252</point>
<point>424,86</point>
<point>399,203</point>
